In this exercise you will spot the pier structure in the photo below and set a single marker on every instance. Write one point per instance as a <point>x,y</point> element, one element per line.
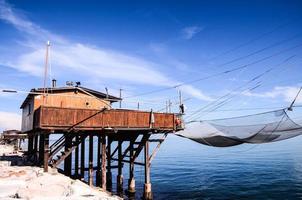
<point>120,136</point>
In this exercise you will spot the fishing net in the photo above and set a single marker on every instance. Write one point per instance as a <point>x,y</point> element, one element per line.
<point>259,128</point>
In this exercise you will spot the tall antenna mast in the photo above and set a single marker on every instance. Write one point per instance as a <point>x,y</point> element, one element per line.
<point>45,71</point>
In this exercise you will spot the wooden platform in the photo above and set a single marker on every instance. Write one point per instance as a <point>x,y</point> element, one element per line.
<point>62,119</point>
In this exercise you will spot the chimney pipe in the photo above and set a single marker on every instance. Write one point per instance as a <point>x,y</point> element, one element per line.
<point>54,83</point>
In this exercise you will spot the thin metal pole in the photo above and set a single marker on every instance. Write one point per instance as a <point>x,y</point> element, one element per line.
<point>121,97</point>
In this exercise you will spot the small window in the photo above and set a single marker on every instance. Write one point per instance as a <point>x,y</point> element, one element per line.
<point>29,109</point>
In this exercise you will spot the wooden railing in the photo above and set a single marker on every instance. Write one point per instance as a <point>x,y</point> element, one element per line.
<point>87,119</point>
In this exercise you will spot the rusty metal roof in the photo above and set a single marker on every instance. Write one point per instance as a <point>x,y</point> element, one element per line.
<point>68,89</point>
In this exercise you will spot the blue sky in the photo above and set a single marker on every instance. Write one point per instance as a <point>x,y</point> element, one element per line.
<point>142,46</point>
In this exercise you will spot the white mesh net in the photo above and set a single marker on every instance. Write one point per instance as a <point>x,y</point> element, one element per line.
<point>259,128</point>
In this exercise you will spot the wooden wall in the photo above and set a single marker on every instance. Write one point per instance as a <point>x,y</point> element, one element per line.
<point>70,100</point>
<point>28,116</point>
<point>62,100</point>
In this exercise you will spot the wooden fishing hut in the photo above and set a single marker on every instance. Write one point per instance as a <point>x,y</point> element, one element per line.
<point>81,114</point>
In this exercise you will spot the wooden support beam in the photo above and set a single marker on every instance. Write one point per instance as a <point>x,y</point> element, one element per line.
<point>76,158</point>
<point>90,172</point>
<point>120,178</point>
<point>41,149</point>
<point>30,146</point>
<point>131,181</point>
<point>46,151</point>
<point>115,150</point>
<point>98,170</point>
<point>104,162</point>
<point>147,188</point>
<point>128,161</point>
<point>157,148</point>
<point>109,173</point>
<point>82,170</point>
<point>36,140</point>
<point>68,159</point>
<point>140,146</point>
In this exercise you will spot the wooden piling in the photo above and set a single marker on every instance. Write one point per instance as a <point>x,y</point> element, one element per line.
<point>46,151</point>
<point>98,171</point>
<point>120,178</point>
<point>90,172</point>
<point>76,158</point>
<point>36,140</point>
<point>147,188</point>
<point>41,149</point>
<point>131,181</point>
<point>30,144</point>
<point>68,159</point>
<point>109,174</point>
<point>82,171</point>
<point>104,162</point>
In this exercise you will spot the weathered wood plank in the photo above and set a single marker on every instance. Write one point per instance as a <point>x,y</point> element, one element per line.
<point>87,119</point>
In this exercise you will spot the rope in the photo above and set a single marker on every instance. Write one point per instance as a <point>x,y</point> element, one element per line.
<point>291,105</point>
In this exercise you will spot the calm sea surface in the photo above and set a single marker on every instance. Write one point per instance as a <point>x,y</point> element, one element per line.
<point>184,169</point>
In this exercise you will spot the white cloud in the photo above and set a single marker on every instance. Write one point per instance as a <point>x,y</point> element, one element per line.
<point>195,92</point>
<point>83,60</point>
<point>10,120</point>
<point>287,93</point>
<point>191,31</point>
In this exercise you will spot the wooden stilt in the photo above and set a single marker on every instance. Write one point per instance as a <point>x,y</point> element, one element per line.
<point>98,171</point>
<point>120,178</point>
<point>68,160</point>
<point>131,181</point>
<point>90,172</point>
<point>83,157</point>
<point>76,158</point>
<point>36,140</point>
<point>147,188</point>
<point>41,149</point>
<point>30,145</point>
<point>104,162</point>
<point>109,174</point>
<point>46,151</point>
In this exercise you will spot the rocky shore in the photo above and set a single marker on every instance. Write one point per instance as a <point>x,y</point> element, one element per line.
<point>18,181</point>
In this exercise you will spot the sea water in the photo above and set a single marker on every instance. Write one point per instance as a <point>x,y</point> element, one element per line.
<point>184,169</point>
